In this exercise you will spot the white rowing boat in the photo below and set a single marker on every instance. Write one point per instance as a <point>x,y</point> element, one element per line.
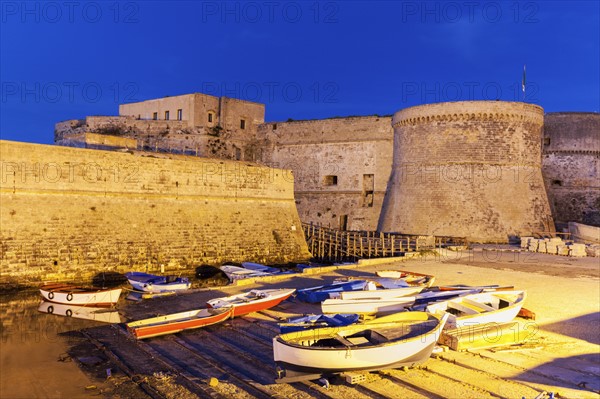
<point>82,296</point>
<point>406,341</point>
<point>478,309</point>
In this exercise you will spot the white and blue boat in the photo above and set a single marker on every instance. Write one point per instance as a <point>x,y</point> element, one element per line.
<point>321,293</point>
<point>152,283</point>
<point>311,321</point>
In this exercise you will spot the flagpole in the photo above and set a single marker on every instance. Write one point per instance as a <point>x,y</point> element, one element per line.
<point>523,82</point>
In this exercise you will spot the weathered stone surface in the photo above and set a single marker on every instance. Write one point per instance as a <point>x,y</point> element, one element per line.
<point>72,213</point>
<point>468,169</point>
<point>571,166</point>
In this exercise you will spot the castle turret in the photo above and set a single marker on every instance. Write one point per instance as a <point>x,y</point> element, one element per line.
<point>470,169</point>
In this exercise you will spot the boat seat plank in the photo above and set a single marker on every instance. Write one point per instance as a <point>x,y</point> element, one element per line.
<point>479,305</point>
<point>463,307</point>
<point>378,338</point>
<point>343,340</point>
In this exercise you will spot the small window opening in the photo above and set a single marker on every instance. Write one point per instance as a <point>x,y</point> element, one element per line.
<point>330,180</point>
<point>166,115</point>
<point>242,124</point>
<point>210,117</point>
<point>155,116</point>
<point>179,114</point>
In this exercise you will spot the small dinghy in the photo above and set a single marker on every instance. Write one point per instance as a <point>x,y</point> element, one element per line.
<point>372,305</point>
<point>81,296</point>
<point>176,322</point>
<point>322,292</point>
<point>309,322</point>
<point>406,341</point>
<point>152,283</point>
<point>478,309</point>
<point>412,278</point>
<point>252,301</point>
<point>235,273</point>
<point>103,315</point>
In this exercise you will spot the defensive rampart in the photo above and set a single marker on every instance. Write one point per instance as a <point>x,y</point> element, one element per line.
<point>571,166</point>
<point>69,213</point>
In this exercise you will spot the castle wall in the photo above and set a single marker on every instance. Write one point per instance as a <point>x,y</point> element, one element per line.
<point>357,151</point>
<point>69,214</point>
<point>469,169</point>
<point>571,166</point>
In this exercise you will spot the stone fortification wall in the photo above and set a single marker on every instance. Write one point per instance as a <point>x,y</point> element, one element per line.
<point>341,167</point>
<point>468,169</point>
<point>69,214</point>
<point>571,166</point>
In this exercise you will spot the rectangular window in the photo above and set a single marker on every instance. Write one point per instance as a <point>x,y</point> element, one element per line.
<point>343,222</point>
<point>242,124</point>
<point>368,190</point>
<point>274,126</point>
<point>330,180</point>
<point>210,117</point>
<point>166,115</point>
<point>155,116</point>
<point>179,114</point>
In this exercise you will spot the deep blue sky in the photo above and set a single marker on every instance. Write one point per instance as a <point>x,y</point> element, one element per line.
<point>303,59</point>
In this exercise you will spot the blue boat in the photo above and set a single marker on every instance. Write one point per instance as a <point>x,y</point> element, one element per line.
<point>320,293</point>
<point>317,321</point>
<point>153,283</point>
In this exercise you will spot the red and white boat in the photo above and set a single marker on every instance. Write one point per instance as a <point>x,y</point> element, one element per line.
<point>81,296</point>
<point>252,301</point>
<point>176,322</point>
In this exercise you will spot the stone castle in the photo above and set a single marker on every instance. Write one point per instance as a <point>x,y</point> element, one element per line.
<point>177,182</point>
<point>483,169</point>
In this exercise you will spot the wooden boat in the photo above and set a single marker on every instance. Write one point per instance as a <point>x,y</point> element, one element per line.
<point>322,292</point>
<point>308,322</point>
<point>407,341</point>
<point>412,278</point>
<point>377,294</point>
<point>235,273</point>
<point>103,315</point>
<point>152,283</point>
<point>482,308</point>
<point>82,296</point>
<point>367,305</point>
<point>176,322</point>
<point>260,268</point>
<point>251,301</point>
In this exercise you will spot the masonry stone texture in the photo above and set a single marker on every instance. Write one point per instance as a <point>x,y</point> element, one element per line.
<point>469,169</point>
<point>71,214</point>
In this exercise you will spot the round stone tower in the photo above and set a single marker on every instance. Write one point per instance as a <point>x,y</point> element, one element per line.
<point>469,169</point>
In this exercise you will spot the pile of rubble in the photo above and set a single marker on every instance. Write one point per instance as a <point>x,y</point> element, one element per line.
<point>556,246</point>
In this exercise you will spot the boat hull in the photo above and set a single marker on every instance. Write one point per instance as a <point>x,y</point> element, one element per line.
<point>367,306</point>
<point>246,303</point>
<point>378,294</point>
<point>295,353</point>
<point>174,323</point>
<point>155,284</point>
<point>72,295</point>
<point>497,314</point>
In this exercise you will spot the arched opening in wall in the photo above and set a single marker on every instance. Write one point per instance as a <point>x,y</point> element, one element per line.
<point>210,117</point>
<point>557,183</point>
<point>179,114</point>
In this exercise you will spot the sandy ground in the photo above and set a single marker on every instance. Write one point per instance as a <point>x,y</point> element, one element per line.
<point>563,292</point>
